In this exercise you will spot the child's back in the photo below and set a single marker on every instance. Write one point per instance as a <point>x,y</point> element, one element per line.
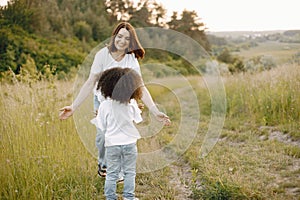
<point>121,87</point>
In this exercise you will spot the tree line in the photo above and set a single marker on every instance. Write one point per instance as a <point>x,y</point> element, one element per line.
<point>37,35</point>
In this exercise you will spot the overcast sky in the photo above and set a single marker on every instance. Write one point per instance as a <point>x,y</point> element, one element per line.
<point>236,15</point>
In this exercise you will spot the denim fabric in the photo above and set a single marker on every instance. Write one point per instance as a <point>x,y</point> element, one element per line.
<point>120,156</point>
<point>100,138</point>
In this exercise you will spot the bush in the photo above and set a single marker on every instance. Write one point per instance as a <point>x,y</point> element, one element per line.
<point>296,58</point>
<point>260,63</point>
<point>82,30</point>
<point>235,63</point>
<point>214,67</point>
<point>218,190</point>
<point>20,50</point>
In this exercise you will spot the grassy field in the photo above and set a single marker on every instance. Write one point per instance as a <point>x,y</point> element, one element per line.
<point>256,157</point>
<point>281,52</point>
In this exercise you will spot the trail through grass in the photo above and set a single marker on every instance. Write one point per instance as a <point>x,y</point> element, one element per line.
<point>256,157</point>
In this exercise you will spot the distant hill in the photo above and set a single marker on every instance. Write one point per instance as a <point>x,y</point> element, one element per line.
<point>236,34</point>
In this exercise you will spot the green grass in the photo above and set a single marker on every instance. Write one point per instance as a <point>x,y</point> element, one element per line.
<point>269,98</point>
<point>43,158</point>
<point>242,165</point>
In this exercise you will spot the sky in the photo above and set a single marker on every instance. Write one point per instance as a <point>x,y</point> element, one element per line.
<point>239,15</point>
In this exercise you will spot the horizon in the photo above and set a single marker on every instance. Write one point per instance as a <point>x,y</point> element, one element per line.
<point>277,30</point>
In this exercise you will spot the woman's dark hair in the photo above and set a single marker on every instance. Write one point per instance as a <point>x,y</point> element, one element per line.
<point>134,44</point>
<point>121,84</point>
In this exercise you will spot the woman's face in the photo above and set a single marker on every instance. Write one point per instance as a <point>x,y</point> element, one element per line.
<point>122,40</point>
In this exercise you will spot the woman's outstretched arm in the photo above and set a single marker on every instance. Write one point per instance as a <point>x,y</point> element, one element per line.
<point>84,92</point>
<point>148,101</point>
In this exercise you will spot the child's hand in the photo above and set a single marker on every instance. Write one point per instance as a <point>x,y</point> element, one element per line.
<point>141,106</point>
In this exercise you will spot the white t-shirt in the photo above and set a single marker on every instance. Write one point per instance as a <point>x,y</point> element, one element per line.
<point>116,121</point>
<point>103,60</point>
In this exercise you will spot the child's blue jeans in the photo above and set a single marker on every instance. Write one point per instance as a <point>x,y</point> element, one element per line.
<point>120,156</point>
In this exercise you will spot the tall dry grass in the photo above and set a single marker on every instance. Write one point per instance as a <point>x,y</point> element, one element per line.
<point>43,158</point>
<point>269,98</point>
<point>247,163</point>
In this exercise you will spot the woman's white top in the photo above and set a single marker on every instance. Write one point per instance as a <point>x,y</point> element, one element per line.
<point>116,120</point>
<point>103,60</point>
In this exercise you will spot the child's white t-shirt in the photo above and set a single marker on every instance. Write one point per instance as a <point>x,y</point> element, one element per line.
<point>116,121</point>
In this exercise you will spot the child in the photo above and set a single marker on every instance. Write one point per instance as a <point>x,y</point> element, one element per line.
<point>121,87</point>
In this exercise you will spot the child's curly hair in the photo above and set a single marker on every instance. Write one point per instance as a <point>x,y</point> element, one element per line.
<point>121,84</point>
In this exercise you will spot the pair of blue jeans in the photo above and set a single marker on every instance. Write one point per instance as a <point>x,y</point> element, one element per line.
<point>120,156</point>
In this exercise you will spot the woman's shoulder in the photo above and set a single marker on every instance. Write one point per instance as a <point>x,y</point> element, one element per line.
<point>103,51</point>
<point>131,55</point>
<point>132,59</point>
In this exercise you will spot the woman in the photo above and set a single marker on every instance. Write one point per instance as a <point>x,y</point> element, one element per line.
<point>124,50</point>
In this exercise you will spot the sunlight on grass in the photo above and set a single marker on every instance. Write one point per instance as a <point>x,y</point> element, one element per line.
<point>245,165</point>
<point>44,158</point>
<point>41,156</point>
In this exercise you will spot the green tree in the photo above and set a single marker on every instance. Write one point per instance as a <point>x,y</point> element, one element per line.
<point>16,13</point>
<point>140,16</point>
<point>82,30</point>
<point>235,63</point>
<point>225,56</point>
<point>159,15</point>
<point>190,24</point>
<point>118,9</point>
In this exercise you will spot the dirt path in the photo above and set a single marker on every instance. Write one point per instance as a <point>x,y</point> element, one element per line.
<point>181,174</point>
<point>181,179</point>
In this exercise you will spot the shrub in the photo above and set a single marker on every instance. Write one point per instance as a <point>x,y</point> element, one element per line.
<point>218,190</point>
<point>260,63</point>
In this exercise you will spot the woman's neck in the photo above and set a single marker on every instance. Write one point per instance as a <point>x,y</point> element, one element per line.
<point>118,55</point>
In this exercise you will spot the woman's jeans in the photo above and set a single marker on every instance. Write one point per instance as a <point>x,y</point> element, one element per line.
<point>120,156</point>
<point>100,138</point>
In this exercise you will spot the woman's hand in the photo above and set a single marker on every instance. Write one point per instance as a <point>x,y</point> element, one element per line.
<point>85,90</point>
<point>66,112</point>
<point>162,117</point>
